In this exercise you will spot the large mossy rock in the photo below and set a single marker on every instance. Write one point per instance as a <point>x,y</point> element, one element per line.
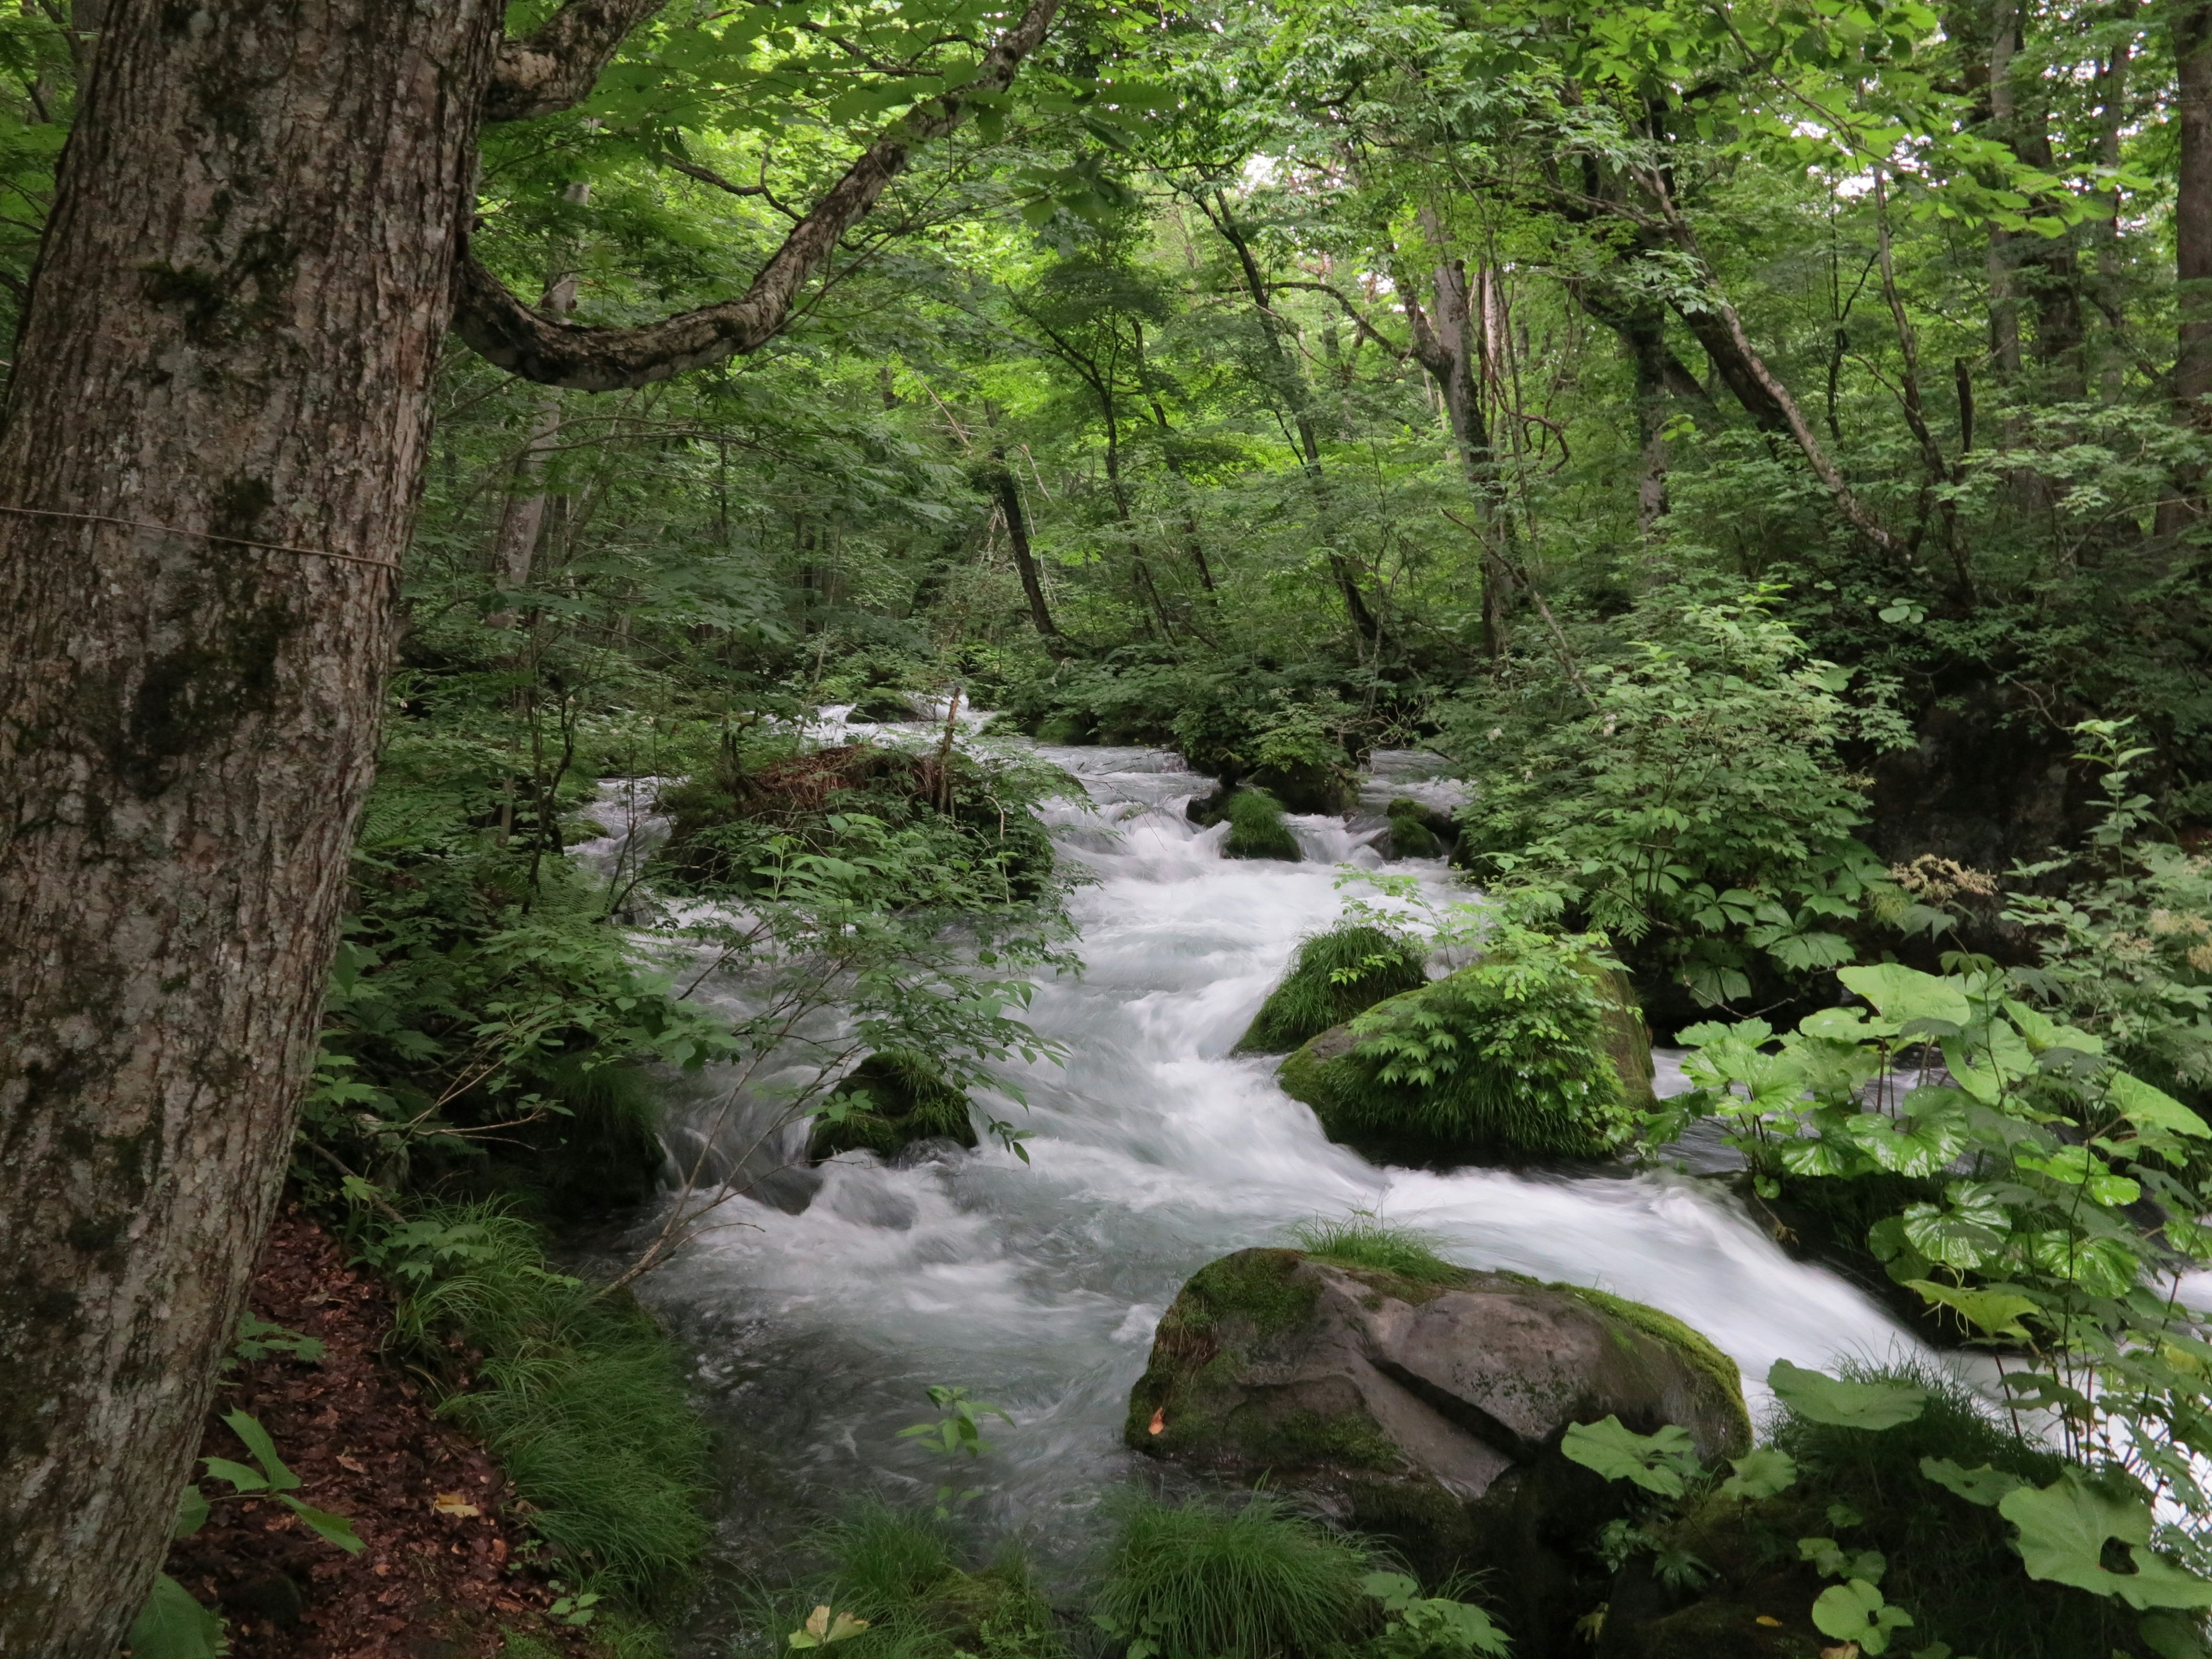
<point>887,1103</point>
<point>1311,998</point>
<point>1429,1413</point>
<point>1257,828</point>
<point>1540,1072</point>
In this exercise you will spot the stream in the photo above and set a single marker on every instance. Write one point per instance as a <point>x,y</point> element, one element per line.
<point>1153,1150</point>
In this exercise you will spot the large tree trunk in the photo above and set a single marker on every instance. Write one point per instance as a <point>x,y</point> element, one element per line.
<point>229,342</point>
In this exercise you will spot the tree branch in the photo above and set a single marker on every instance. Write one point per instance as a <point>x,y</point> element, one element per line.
<point>503,330</point>
<point>557,67</point>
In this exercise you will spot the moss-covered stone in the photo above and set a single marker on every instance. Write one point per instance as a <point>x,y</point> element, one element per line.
<point>1418,832</point>
<point>1257,828</point>
<point>1564,1087</point>
<point>1695,1348</point>
<point>886,1103</point>
<point>880,705</point>
<point>1314,996</point>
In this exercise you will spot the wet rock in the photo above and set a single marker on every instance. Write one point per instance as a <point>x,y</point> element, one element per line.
<point>881,706</point>
<point>1418,831</point>
<point>1429,1413</point>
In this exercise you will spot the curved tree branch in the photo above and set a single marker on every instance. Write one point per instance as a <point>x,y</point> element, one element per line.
<point>558,66</point>
<point>503,330</point>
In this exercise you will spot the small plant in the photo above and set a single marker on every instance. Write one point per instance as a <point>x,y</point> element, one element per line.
<point>1361,1240</point>
<point>960,1428</point>
<point>1429,1626</point>
<point>1206,1579</point>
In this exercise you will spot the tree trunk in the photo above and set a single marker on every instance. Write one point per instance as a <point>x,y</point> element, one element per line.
<point>1008,490</point>
<point>229,342</point>
<point>522,521</point>
<point>2192,242</point>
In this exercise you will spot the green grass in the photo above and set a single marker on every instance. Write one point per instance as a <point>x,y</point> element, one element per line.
<point>1335,975</point>
<point>909,1100</point>
<point>1361,1241</point>
<point>578,1396</point>
<point>1257,828</point>
<point>1209,1579</point>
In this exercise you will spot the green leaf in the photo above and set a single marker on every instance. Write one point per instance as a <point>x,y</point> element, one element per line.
<point>1992,1312</point>
<point>264,1449</point>
<point>1856,1613</point>
<point>1904,994</point>
<point>172,1625</point>
<point>333,1529</point>
<point>238,1474</point>
<point>2152,1109</point>
<point>192,1511</point>
<point>2063,1531</point>
<point>1818,1398</point>
<point>1760,1472</point>
<point>1657,1462</point>
<point>1986,1486</point>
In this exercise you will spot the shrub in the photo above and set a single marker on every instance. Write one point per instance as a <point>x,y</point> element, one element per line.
<point>1509,1055</point>
<point>1207,1579</point>
<point>577,1394</point>
<point>1362,1241</point>
<point>1257,828</point>
<point>1335,975</point>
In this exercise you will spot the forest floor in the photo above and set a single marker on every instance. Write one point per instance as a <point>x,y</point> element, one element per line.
<point>444,1568</point>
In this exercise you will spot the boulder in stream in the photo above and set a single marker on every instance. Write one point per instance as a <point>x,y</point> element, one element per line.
<point>1428,1410</point>
<point>1376,963</point>
<point>1511,1058</point>
<point>889,1101</point>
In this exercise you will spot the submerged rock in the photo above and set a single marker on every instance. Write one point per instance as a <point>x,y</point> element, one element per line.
<point>1429,1410</point>
<point>1522,1077</point>
<point>886,1103</point>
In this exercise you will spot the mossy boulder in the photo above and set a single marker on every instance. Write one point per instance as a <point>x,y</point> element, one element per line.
<point>1065,728</point>
<point>1257,828</point>
<point>882,705</point>
<point>1312,997</point>
<point>1417,831</point>
<point>1307,787</point>
<point>1427,1412</point>
<point>887,1103</point>
<point>1546,1059</point>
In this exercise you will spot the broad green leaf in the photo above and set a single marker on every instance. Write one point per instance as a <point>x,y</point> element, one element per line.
<point>264,1449</point>
<point>238,1474</point>
<point>1985,1485</point>
<point>1965,1235</point>
<point>192,1511</point>
<point>1657,1462</point>
<point>2153,1109</point>
<point>2044,1033</point>
<point>2063,1528</point>
<point>333,1529</point>
<point>1760,1472</point>
<point>1822,1399</point>
<point>1904,994</point>
<point>1929,1132</point>
<point>172,1625</point>
<point>1855,1612</point>
<point>1992,1312</point>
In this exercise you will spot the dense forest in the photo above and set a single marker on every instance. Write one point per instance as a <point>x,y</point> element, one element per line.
<point>1201,831</point>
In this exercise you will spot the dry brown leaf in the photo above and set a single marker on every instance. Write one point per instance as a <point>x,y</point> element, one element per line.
<point>453,1503</point>
<point>1159,1419</point>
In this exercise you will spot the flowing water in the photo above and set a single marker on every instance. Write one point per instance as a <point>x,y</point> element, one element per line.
<point>1153,1150</point>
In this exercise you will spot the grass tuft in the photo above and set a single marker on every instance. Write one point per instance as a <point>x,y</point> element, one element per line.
<point>1207,1579</point>
<point>1335,975</point>
<point>1257,828</point>
<point>1362,1241</point>
<point>579,1397</point>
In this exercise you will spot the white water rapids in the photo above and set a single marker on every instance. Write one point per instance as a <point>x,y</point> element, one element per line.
<point>1153,1150</point>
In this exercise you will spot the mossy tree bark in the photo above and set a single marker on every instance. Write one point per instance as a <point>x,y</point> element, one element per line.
<point>215,433</point>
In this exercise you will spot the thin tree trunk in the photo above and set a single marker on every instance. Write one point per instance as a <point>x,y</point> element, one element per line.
<point>1008,490</point>
<point>230,338</point>
<point>523,520</point>
<point>2192,240</point>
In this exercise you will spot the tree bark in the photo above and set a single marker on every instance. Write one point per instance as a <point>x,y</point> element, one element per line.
<point>231,333</point>
<point>1008,490</point>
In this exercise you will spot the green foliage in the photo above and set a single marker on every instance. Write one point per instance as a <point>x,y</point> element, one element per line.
<point>174,1626</point>
<point>1335,975</point>
<point>1429,1626</point>
<point>1661,1462</point>
<point>887,1101</point>
<point>1698,810</point>
<point>574,1391</point>
<point>1257,828</point>
<point>1362,1241</point>
<point>1208,1579</point>
<point>1508,1056</point>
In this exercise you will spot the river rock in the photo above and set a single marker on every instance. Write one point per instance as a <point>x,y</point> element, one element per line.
<point>892,1100</point>
<point>1430,1414</point>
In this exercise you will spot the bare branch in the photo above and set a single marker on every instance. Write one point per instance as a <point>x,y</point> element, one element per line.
<point>507,332</point>
<point>556,67</point>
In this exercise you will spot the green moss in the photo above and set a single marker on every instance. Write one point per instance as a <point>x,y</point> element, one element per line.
<point>1065,730</point>
<point>1335,975</point>
<point>1410,835</point>
<point>1693,1346</point>
<point>1260,1286</point>
<point>1257,828</point>
<point>1512,1056</point>
<point>888,1101</point>
<point>1349,1439</point>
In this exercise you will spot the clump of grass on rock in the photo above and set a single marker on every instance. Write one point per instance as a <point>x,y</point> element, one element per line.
<point>1257,828</point>
<point>1335,975</point>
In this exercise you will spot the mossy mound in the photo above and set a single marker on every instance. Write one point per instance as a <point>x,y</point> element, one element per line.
<point>886,1103</point>
<point>1257,828</point>
<point>1313,997</point>
<point>1065,729</point>
<point>1542,1059</point>
<point>1416,832</point>
<point>1422,1406</point>
<point>880,705</point>
<point>1307,787</point>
